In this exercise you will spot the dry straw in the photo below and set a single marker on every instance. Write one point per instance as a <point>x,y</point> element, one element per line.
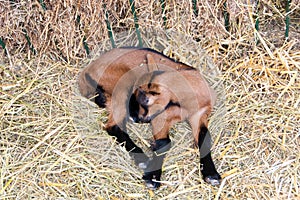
<point>52,142</point>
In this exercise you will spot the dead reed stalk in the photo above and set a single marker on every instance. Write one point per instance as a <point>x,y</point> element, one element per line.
<point>52,143</point>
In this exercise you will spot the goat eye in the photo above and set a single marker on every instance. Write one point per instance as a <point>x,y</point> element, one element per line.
<point>154,93</point>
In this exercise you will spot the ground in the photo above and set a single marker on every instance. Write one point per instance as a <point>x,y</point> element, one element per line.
<point>52,141</point>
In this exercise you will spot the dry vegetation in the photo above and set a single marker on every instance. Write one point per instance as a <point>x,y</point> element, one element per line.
<point>52,143</point>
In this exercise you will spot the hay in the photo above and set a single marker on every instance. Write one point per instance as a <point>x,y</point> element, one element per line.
<point>52,142</point>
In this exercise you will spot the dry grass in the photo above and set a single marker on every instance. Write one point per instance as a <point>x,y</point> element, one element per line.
<point>52,143</point>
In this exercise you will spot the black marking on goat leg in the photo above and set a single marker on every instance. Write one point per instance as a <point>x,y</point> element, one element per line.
<point>123,138</point>
<point>208,168</point>
<point>153,172</point>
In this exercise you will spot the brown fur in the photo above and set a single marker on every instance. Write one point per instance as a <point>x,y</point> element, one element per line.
<point>116,72</point>
<point>163,92</point>
<point>181,87</point>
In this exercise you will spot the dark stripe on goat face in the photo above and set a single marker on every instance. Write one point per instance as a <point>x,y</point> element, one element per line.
<point>153,75</point>
<point>142,98</point>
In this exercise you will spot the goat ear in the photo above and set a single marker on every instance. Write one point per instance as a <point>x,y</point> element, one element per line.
<point>152,66</point>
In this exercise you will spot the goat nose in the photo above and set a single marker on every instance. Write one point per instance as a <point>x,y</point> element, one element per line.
<point>145,101</point>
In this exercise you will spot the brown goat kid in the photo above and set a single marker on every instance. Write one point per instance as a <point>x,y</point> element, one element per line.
<point>148,87</point>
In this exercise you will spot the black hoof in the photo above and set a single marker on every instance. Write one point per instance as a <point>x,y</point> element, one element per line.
<point>213,180</point>
<point>152,184</point>
<point>152,179</point>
